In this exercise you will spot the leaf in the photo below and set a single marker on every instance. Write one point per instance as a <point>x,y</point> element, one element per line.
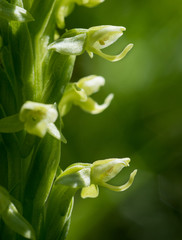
<point>23,59</point>
<point>12,218</point>
<point>8,67</point>
<point>41,177</point>
<point>7,97</point>
<point>11,124</point>
<point>17,223</point>
<point>14,13</point>
<point>3,166</point>
<point>58,75</point>
<point>59,210</point>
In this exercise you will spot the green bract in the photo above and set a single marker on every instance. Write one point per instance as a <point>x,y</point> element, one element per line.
<point>12,12</point>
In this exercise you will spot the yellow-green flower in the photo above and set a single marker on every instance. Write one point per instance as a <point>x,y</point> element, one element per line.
<point>90,176</point>
<point>92,40</point>
<point>79,94</point>
<point>39,118</point>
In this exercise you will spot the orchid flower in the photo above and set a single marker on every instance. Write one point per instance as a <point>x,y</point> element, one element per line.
<point>90,176</point>
<point>79,94</point>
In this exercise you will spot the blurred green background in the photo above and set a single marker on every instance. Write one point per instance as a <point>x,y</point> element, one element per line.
<point>144,122</point>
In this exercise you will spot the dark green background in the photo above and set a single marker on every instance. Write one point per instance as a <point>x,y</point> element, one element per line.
<point>144,122</point>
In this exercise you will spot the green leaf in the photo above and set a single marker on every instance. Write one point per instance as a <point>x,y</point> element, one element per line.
<point>59,210</point>
<point>9,67</point>
<point>11,124</point>
<point>14,13</point>
<point>7,97</point>
<point>12,218</point>
<point>17,223</point>
<point>23,60</point>
<point>58,75</point>
<point>41,177</point>
<point>3,166</point>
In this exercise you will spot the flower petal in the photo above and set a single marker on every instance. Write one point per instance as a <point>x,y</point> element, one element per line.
<point>105,170</point>
<point>103,36</point>
<point>91,84</point>
<point>91,191</point>
<point>53,131</point>
<point>93,107</point>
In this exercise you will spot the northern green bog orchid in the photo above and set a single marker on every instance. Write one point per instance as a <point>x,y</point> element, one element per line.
<point>90,176</point>
<point>92,40</point>
<point>39,118</point>
<point>79,94</point>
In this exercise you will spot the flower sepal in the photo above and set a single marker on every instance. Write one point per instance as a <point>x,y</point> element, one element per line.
<point>69,46</point>
<point>75,176</point>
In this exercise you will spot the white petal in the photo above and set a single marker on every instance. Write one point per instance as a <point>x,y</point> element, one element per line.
<point>91,84</point>
<point>52,130</point>
<point>93,107</point>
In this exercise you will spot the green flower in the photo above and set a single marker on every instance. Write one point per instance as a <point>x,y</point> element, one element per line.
<point>92,40</point>
<point>79,94</point>
<point>39,118</point>
<point>90,176</point>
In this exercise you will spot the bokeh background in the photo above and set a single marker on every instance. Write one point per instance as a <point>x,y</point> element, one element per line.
<point>144,122</point>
